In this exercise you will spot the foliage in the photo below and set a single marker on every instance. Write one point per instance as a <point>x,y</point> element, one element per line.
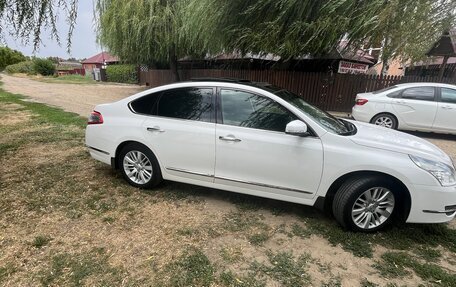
<point>43,67</point>
<point>9,57</point>
<point>296,28</point>
<point>122,74</point>
<point>27,19</point>
<point>25,67</point>
<point>143,31</point>
<point>408,28</point>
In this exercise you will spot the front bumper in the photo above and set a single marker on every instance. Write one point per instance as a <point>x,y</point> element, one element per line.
<point>432,204</point>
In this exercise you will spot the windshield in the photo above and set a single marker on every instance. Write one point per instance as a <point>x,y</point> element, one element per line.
<point>327,121</point>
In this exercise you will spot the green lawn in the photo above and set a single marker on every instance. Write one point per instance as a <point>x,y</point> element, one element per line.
<point>67,220</point>
<point>68,79</point>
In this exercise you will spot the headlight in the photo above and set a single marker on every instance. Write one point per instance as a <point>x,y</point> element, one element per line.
<point>444,173</point>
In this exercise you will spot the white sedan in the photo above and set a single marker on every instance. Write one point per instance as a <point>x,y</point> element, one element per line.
<point>428,107</point>
<point>257,139</point>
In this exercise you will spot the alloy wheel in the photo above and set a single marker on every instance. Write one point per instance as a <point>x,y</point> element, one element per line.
<point>137,167</point>
<point>386,122</point>
<point>373,207</point>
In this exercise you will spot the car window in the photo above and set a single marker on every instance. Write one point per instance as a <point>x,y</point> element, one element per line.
<point>248,110</point>
<point>395,94</point>
<point>448,95</point>
<point>146,104</point>
<point>189,104</point>
<point>419,93</point>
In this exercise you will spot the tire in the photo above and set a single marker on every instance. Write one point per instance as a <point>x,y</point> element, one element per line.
<point>350,211</point>
<point>134,157</point>
<point>385,120</point>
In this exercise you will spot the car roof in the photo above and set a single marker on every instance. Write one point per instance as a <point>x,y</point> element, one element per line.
<point>420,84</point>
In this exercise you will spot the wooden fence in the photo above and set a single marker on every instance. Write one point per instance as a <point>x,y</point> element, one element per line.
<point>331,92</point>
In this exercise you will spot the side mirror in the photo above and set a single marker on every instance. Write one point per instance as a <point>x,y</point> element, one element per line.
<point>296,128</point>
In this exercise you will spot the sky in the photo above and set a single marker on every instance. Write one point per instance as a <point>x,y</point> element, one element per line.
<point>83,41</point>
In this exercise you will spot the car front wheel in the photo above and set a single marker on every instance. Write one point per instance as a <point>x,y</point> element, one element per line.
<point>365,204</point>
<point>139,166</point>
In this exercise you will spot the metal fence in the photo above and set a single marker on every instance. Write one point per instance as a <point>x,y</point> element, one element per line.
<point>331,92</point>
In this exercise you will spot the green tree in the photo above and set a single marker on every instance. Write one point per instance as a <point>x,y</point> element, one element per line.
<point>26,19</point>
<point>143,31</point>
<point>9,56</point>
<point>408,28</point>
<point>293,28</point>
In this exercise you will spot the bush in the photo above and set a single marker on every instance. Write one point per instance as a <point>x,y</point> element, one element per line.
<point>44,67</point>
<point>122,74</point>
<point>25,67</point>
<point>9,57</point>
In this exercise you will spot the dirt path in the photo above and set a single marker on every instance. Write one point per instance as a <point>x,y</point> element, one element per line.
<point>76,98</point>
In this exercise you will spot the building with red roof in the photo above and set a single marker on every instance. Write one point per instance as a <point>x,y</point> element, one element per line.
<point>103,58</point>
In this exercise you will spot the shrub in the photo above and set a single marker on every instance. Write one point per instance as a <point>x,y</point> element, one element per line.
<point>9,57</point>
<point>25,67</point>
<point>44,67</point>
<point>122,74</point>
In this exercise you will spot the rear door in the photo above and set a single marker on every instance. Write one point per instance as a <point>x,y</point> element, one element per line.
<point>446,111</point>
<point>416,106</point>
<point>181,132</point>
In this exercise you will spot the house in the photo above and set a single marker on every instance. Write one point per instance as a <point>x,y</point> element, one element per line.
<point>69,68</point>
<point>442,61</point>
<point>97,61</point>
<point>338,61</point>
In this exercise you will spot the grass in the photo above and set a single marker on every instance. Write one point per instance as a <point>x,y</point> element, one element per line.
<point>229,279</point>
<point>73,269</point>
<point>41,241</point>
<point>192,268</point>
<point>399,264</point>
<point>105,232</point>
<point>67,79</point>
<point>284,268</point>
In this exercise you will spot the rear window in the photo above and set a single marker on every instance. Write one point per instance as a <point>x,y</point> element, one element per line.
<point>145,105</point>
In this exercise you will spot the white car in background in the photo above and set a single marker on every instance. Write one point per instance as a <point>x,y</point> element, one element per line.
<point>261,140</point>
<point>427,107</point>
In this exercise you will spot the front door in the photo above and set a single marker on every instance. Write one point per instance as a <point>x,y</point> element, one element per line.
<point>253,151</point>
<point>446,112</point>
<point>416,107</point>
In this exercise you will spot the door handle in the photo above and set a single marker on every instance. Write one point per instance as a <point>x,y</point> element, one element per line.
<point>229,139</point>
<point>447,107</point>
<point>155,129</point>
<point>399,102</point>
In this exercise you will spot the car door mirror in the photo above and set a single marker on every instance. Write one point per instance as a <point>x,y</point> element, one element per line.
<point>297,128</point>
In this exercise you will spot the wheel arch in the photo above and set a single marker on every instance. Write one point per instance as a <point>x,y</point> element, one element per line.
<point>115,162</point>
<point>326,205</point>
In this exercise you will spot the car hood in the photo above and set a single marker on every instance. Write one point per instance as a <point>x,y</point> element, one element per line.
<point>388,139</point>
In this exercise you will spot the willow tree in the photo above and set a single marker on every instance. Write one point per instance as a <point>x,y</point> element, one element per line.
<point>142,31</point>
<point>293,28</point>
<point>289,28</point>
<point>26,19</point>
<point>407,29</point>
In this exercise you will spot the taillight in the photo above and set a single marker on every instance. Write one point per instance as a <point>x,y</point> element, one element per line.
<point>95,118</point>
<point>361,102</point>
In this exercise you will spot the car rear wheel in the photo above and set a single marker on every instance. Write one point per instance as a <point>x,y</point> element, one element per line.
<point>366,204</point>
<point>139,166</point>
<point>385,120</point>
